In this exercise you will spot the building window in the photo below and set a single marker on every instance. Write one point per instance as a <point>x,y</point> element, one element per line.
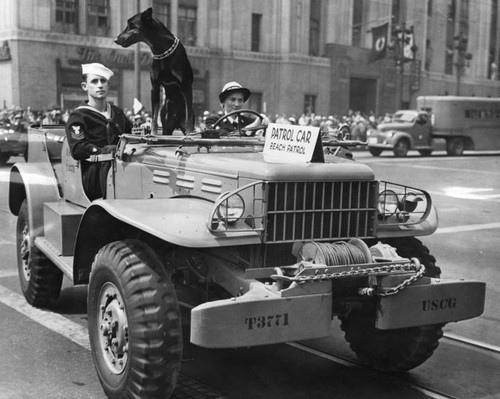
<point>314,27</point>
<point>256,24</point>
<point>98,17</point>
<point>66,16</point>
<point>396,12</point>
<point>187,24</point>
<point>450,35</point>
<point>161,11</point>
<point>255,102</point>
<point>357,22</point>
<point>428,55</point>
<point>492,62</point>
<point>309,104</point>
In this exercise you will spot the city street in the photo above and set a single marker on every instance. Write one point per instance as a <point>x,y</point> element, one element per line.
<point>45,354</point>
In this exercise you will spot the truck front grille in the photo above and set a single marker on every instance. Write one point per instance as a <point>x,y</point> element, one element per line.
<point>320,211</point>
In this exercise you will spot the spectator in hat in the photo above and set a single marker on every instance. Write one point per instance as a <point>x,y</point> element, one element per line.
<point>18,123</point>
<point>231,98</point>
<point>94,128</point>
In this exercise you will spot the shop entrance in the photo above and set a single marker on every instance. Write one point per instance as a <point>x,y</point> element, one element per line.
<point>363,95</point>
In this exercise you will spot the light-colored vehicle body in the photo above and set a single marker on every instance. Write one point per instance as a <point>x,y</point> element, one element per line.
<point>261,252</point>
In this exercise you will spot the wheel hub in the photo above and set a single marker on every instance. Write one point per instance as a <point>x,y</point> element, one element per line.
<point>114,328</point>
<point>25,253</point>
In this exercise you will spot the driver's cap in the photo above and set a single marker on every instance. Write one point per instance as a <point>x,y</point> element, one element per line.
<point>231,87</point>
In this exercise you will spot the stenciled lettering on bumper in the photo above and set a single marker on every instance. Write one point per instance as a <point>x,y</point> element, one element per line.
<point>249,320</point>
<point>440,302</point>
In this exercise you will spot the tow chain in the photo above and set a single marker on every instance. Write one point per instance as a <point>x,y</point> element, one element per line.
<point>368,291</point>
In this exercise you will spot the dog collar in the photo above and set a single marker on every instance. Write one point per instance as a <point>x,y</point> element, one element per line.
<point>167,52</point>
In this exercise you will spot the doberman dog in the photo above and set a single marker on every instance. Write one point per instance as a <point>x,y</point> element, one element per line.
<point>170,68</point>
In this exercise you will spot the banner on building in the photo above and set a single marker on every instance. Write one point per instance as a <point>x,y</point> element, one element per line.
<point>379,44</point>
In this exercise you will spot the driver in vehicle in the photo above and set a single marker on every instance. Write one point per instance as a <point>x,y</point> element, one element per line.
<point>232,97</point>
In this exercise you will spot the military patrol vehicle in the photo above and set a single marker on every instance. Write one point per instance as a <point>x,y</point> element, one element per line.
<point>263,240</point>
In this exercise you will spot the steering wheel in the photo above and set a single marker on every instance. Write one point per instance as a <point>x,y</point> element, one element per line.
<point>239,112</point>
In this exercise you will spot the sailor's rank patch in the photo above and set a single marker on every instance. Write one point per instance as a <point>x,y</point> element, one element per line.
<point>76,132</point>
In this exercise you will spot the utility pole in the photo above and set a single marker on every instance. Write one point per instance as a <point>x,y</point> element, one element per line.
<point>401,36</point>
<point>463,57</point>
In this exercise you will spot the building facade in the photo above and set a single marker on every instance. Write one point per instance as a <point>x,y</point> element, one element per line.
<point>297,56</point>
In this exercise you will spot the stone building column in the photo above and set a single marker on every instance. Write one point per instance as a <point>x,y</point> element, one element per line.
<point>174,16</point>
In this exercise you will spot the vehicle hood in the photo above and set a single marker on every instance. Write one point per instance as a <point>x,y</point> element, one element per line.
<point>251,165</point>
<point>385,127</point>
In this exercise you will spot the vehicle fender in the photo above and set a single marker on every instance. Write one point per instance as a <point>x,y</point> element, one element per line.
<point>179,221</point>
<point>37,183</point>
<point>400,135</point>
<point>425,228</point>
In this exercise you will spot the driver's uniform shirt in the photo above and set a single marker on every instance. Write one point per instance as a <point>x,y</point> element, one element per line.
<point>231,124</point>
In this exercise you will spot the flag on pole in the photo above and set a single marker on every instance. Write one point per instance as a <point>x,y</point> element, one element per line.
<point>408,46</point>
<point>137,106</point>
<point>379,41</point>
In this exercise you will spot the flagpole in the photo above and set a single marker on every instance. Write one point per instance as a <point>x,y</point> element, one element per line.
<point>137,63</point>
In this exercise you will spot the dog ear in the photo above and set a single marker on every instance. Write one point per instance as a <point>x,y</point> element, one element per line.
<point>147,16</point>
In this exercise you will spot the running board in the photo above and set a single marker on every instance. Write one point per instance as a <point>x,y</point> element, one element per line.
<point>64,263</point>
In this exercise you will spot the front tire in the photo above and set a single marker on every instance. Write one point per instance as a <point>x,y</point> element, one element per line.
<point>401,148</point>
<point>392,350</point>
<point>40,279</point>
<point>134,322</point>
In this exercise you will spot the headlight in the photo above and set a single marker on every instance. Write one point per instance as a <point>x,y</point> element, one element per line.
<point>231,209</point>
<point>410,202</point>
<point>387,203</point>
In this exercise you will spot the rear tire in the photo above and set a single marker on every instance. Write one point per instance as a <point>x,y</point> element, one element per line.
<point>4,157</point>
<point>425,153</point>
<point>134,322</point>
<point>393,350</point>
<point>401,148</point>
<point>455,146</point>
<point>40,279</point>
<point>375,151</point>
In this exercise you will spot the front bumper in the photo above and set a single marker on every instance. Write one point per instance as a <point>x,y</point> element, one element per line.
<point>260,318</point>
<point>381,141</point>
<point>266,314</point>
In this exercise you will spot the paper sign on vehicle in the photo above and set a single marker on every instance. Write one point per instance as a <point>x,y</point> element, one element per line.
<point>290,143</point>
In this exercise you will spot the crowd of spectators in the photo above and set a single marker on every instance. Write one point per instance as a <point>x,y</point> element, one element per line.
<point>359,123</point>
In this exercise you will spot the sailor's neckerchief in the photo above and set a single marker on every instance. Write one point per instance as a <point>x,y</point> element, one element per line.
<point>106,114</point>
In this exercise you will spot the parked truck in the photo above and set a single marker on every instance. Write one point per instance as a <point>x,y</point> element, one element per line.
<point>451,123</point>
<point>260,238</point>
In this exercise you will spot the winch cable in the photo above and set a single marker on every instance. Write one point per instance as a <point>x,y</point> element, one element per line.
<point>338,253</point>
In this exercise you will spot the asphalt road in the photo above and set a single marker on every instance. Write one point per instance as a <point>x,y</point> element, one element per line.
<point>45,355</point>
<point>466,191</point>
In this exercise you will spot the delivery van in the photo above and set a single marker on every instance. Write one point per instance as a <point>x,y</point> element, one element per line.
<point>454,123</point>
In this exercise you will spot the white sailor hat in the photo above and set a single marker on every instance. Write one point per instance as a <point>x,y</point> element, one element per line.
<point>97,69</point>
